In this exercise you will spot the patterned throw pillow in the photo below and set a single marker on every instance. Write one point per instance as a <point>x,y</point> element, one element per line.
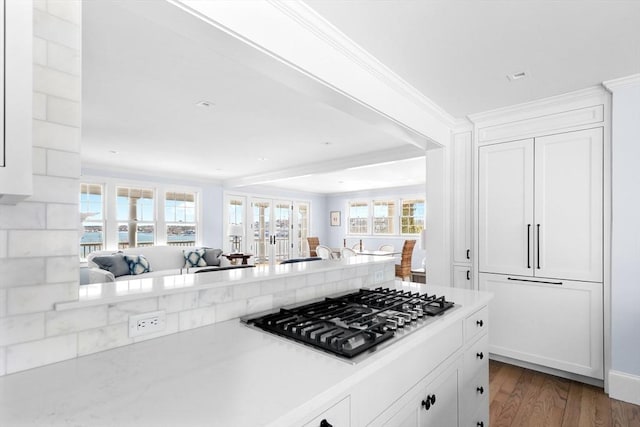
<point>137,264</point>
<point>195,258</point>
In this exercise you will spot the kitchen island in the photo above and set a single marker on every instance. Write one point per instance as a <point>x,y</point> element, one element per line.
<point>228,374</point>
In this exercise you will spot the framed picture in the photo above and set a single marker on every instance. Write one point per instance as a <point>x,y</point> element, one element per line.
<point>335,218</point>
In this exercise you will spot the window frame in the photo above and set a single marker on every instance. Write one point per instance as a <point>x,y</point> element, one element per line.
<point>100,222</point>
<point>397,217</point>
<point>367,218</point>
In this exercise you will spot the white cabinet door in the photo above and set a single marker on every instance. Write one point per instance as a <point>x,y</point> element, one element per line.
<point>554,323</point>
<point>462,277</point>
<point>568,205</point>
<point>505,217</point>
<point>461,197</point>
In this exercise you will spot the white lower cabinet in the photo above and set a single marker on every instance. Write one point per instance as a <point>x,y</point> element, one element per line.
<point>462,277</point>
<point>433,402</point>
<point>554,323</point>
<point>338,415</point>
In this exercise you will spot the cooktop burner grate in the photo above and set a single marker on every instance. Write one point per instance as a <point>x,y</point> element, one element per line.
<point>353,323</point>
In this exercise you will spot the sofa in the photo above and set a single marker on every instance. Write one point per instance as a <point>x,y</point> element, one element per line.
<point>152,261</point>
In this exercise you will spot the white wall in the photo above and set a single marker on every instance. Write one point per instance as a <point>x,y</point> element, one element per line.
<point>338,202</point>
<point>625,245</point>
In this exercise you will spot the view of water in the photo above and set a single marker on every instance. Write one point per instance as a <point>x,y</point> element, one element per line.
<point>96,237</point>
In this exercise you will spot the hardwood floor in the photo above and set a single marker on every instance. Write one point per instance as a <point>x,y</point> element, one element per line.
<point>524,398</point>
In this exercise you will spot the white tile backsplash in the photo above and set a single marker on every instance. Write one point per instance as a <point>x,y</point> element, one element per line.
<point>16,329</point>
<point>39,161</point>
<point>120,312</point>
<point>65,322</point>
<point>65,9</point>
<point>231,310</point>
<point>37,353</point>
<point>63,111</point>
<point>3,302</point>
<point>104,338</point>
<point>58,30</point>
<point>64,59</point>
<point>35,243</point>
<point>258,304</point>
<point>23,216</point>
<point>63,164</point>
<point>54,189</point>
<point>62,217</point>
<point>21,271</point>
<point>245,291</point>
<point>197,317</point>
<point>56,136</point>
<point>39,51</point>
<point>178,302</point>
<point>215,296</point>
<point>39,106</point>
<point>38,298</point>
<point>2,361</point>
<point>56,83</point>
<point>4,234</point>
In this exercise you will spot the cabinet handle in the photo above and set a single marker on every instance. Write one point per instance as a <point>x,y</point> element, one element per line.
<point>480,390</point>
<point>479,323</point>
<point>325,423</point>
<point>534,281</point>
<point>468,253</point>
<point>480,355</point>
<point>429,401</point>
<point>528,245</point>
<point>468,274</point>
<point>538,246</point>
<point>480,424</point>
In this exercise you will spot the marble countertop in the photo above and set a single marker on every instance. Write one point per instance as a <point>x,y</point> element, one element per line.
<point>127,290</point>
<point>225,374</point>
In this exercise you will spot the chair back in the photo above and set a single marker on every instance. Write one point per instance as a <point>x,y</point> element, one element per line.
<point>323,252</point>
<point>356,247</point>
<point>386,248</point>
<point>313,244</point>
<point>347,252</point>
<point>404,269</point>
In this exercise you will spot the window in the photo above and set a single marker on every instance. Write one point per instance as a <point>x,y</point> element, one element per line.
<point>358,217</point>
<point>412,218</point>
<point>136,217</point>
<point>180,218</point>
<point>92,218</point>
<point>384,212</point>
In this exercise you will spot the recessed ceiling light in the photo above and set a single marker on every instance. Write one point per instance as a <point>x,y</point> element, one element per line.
<point>262,159</point>
<point>205,104</point>
<point>327,143</point>
<point>517,76</point>
<point>114,152</point>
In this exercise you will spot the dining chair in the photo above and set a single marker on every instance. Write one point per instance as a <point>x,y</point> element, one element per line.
<point>403,270</point>
<point>386,248</point>
<point>356,247</point>
<point>323,252</point>
<point>313,244</point>
<point>347,252</point>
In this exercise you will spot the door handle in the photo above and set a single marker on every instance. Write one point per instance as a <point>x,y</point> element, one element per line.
<point>468,253</point>
<point>468,274</point>
<point>528,245</point>
<point>535,281</point>
<point>538,246</point>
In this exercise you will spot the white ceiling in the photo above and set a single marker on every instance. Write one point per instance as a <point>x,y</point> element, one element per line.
<point>459,52</point>
<point>141,81</point>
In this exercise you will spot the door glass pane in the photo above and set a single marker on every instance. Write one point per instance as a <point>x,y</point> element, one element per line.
<point>303,226</point>
<point>261,213</point>
<point>282,228</point>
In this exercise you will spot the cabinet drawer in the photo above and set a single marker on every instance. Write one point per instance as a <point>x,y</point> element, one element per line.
<point>479,419</point>
<point>476,324</point>
<point>476,358</point>
<point>338,415</point>
<point>475,392</point>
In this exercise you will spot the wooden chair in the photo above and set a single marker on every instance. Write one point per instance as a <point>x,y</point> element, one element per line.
<point>313,244</point>
<point>403,270</point>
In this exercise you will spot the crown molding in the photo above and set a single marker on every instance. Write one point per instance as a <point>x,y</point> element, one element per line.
<point>307,17</point>
<point>540,107</point>
<point>612,85</point>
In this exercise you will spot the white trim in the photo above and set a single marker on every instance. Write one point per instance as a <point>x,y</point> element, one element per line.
<point>625,387</point>
<point>612,85</point>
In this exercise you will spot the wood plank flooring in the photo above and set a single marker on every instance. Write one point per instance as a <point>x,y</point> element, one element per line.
<point>523,398</point>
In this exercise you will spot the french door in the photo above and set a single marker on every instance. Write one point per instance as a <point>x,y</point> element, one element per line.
<point>270,233</point>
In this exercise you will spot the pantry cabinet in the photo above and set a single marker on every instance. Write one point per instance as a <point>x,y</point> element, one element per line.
<point>540,206</point>
<point>461,209</point>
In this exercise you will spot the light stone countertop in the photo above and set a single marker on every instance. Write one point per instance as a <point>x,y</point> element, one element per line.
<point>225,374</point>
<point>128,290</point>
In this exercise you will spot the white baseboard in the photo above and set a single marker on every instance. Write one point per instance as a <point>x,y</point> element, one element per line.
<point>625,387</point>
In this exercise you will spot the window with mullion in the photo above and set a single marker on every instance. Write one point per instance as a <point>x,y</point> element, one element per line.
<point>135,213</point>
<point>180,218</point>
<point>412,216</point>
<point>358,217</point>
<point>383,216</point>
<point>91,206</point>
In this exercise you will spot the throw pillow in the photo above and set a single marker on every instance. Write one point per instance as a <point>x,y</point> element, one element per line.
<point>195,258</point>
<point>212,256</point>
<point>115,264</point>
<point>137,264</point>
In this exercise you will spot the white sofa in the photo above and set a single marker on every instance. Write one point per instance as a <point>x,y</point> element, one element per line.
<point>163,261</point>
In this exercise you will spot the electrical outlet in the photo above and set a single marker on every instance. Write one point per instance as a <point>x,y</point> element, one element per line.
<point>147,323</point>
<point>378,277</point>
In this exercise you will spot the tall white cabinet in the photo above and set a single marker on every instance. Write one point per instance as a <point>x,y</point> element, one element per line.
<point>540,232</point>
<point>461,208</point>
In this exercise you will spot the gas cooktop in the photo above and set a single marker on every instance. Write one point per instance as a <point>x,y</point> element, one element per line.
<point>352,324</point>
